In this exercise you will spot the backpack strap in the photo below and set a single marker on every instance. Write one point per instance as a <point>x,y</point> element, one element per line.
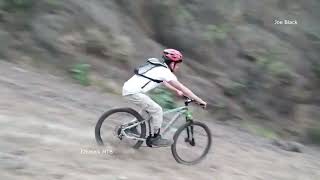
<point>151,79</point>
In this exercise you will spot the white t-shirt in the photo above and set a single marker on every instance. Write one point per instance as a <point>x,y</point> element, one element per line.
<point>135,83</point>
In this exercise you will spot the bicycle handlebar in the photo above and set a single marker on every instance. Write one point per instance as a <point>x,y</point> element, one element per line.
<point>214,106</point>
<point>188,101</point>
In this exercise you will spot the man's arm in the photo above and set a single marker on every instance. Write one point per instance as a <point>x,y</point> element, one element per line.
<point>179,86</point>
<point>167,85</point>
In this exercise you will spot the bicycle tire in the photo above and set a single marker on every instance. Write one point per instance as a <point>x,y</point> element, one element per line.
<point>178,133</point>
<point>113,111</point>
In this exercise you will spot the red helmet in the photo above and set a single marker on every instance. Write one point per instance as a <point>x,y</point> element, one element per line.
<point>172,55</point>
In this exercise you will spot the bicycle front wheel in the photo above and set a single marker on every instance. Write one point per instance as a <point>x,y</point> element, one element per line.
<point>192,142</point>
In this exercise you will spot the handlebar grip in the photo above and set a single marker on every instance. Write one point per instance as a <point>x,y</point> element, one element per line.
<point>186,97</point>
<point>202,105</point>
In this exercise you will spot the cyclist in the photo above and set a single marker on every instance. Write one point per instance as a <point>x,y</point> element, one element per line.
<point>135,88</point>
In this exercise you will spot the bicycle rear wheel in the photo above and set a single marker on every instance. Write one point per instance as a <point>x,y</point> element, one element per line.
<point>192,142</point>
<point>110,132</point>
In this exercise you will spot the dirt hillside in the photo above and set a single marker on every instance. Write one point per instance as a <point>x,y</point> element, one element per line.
<point>47,133</point>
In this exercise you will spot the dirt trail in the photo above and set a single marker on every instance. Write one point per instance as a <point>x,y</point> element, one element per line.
<point>47,124</point>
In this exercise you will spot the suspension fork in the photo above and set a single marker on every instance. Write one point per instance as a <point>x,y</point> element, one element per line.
<point>190,138</point>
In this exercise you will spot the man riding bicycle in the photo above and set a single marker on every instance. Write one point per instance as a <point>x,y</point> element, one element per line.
<point>136,87</point>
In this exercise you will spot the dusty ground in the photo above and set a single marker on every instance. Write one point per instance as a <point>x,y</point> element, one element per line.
<point>46,124</point>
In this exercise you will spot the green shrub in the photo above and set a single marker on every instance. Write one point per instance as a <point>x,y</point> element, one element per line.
<point>184,14</point>
<point>216,32</point>
<point>313,35</point>
<point>279,68</point>
<point>52,2</point>
<point>314,134</point>
<point>164,98</point>
<point>282,72</point>
<point>271,65</point>
<point>264,62</point>
<point>16,4</point>
<point>235,89</point>
<point>316,69</point>
<point>80,72</point>
<point>260,131</point>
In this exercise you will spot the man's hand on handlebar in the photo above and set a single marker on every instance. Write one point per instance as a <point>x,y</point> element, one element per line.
<point>203,104</point>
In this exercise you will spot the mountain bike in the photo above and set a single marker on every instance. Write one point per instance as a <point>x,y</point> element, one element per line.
<point>191,140</point>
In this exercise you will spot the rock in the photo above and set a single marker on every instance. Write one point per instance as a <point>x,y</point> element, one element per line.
<point>304,117</point>
<point>12,162</point>
<point>288,145</point>
<point>277,142</point>
<point>19,153</point>
<point>58,176</point>
<point>295,146</point>
<point>122,177</point>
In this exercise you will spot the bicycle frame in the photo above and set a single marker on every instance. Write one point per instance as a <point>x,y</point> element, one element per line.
<point>179,111</point>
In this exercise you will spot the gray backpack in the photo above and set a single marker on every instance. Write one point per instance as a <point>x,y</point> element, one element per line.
<point>150,64</point>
